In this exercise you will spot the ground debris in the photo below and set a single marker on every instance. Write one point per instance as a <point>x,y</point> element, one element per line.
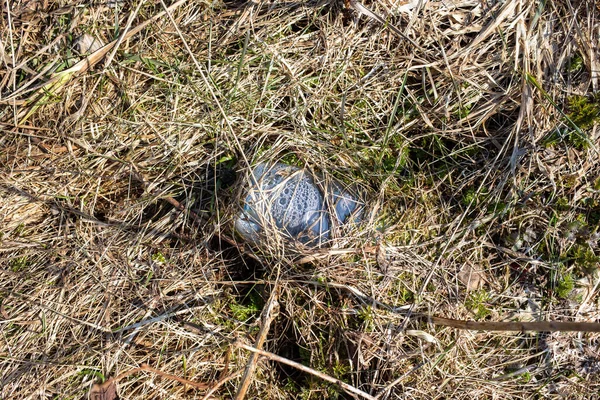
<point>104,391</point>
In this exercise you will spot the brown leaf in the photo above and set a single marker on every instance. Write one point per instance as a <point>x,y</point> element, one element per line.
<point>471,277</point>
<point>105,391</point>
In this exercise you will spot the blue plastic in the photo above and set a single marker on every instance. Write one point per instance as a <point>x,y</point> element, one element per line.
<point>287,199</point>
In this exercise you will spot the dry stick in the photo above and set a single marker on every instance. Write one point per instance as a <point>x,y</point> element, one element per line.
<point>268,314</point>
<point>538,326</point>
<point>508,326</point>
<point>274,357</point>
<point>146,367</point>
<point>220,383</point>
<point>101,388</point>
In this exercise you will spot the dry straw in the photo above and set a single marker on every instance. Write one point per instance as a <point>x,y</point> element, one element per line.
<point>473,127</point>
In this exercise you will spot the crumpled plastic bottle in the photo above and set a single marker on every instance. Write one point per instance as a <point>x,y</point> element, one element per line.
<point>286,199</point>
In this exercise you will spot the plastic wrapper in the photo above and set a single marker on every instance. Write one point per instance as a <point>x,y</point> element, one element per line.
<point>286,200</point>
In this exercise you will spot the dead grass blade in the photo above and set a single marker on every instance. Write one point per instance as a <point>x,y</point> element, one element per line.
<point>58,80</point>
<point>274,357</point>
<point>269,313</point>
<point>117,198</point>
<point>361,9</point>
<point>197,385</point>
<point>506,11</point>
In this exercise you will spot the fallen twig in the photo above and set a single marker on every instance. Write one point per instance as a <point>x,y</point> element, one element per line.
<point>508,326</point>
<point>270,311</point>
<point>274,357</point>
<point>108,389</point>
<point>146,367</point>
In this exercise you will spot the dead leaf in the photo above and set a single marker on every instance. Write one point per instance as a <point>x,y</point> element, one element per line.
<point>87,44</point>
<point>104,391</point>
<point>471,277</point>
<point>422,335</point>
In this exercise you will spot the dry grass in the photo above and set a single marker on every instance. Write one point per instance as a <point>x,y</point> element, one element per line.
<point>477,145</point>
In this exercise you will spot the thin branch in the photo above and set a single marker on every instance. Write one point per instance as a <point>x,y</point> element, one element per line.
<point>270,311</point>
<point>146,367</point>
<point>274,357</point>
<point>507,326</point>
<point>220,383</point>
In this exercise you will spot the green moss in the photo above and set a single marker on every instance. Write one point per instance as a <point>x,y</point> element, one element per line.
<point>367,316</point>
<point>499,208</point>
<point>583,111</point>
<point>464,111</point>
<point>552,138</point>
<point>318,389</point>
<point>477,303</point>
<point>430,149</point>
<point>159,258</point>
<point>472,197</point>
<point>400,291</point>
<point>569,137</point>
<point>569,181</point>
<point>291,159</point>
<point>575,63</point>
<point>562,204</point>
<point>564,282</point>
<point>391,160</point>
<point>469,197</point>
<point>525,377</point>
<point>340,369</point>
<point>19,264</point>
<point>584,257</point>
<point>290,386</point>
<point>241,312</point>
<point>388,157</point>
<point>249,307</point>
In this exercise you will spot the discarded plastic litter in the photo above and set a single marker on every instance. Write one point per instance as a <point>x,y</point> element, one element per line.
<point>287,199</point>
